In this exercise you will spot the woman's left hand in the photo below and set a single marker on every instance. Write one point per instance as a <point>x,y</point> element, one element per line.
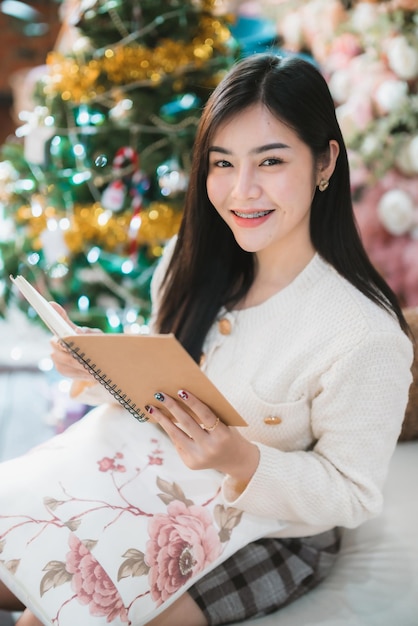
<point>205,442</point>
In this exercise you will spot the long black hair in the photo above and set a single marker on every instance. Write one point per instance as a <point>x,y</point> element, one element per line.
<point>208,269</point>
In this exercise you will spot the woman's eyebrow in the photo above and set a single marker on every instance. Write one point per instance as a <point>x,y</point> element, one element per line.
<point>257,150</point>
<point>270,146</point>
<point>219,149</point>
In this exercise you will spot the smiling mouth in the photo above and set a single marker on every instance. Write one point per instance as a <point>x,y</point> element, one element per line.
<point>252,215</point>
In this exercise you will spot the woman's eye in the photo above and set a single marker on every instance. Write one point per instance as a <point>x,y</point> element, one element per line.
<point>272,161</point>
<point>221,163</point>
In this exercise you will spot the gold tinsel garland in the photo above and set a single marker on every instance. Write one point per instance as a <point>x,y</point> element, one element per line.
<point>91,225</point>
<point>127,64</point>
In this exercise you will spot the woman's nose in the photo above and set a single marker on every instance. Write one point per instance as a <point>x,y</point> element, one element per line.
<point>245,184</point>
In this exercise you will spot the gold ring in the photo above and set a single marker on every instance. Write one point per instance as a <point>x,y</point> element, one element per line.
<point>210,428</point>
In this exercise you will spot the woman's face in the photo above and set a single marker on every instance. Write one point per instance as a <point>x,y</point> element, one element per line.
<point>261,180</point>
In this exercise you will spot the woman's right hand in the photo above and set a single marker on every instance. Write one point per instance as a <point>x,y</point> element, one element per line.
<point>64,362</point>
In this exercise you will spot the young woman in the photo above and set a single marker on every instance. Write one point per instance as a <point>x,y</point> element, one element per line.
<point>269,288</point>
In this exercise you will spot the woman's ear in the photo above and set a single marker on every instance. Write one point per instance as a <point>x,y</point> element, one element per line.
<point>327,165</point>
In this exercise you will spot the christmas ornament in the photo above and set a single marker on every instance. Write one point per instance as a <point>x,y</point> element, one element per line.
<point>113,197</point>
<point>129,181</point>
<point>171,178</point>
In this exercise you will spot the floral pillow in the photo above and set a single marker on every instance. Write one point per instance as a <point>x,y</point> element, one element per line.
<point>104,524</point>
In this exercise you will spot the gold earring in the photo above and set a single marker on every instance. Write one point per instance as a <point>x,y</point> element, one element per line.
<point>323,184</point>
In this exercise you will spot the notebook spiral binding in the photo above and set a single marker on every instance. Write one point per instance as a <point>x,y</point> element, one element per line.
<point>118,394</point>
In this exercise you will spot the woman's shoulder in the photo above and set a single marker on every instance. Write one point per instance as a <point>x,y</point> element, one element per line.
<point>346,321</point>
<point>344,302</point>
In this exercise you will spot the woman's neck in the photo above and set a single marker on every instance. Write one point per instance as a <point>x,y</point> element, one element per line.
<point>273,275</point>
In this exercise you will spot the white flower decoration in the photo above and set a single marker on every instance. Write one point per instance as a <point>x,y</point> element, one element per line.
<point>413,152</point>
<point>293,27</point>
<point>363,17</point>
<point>403,58</point>
<point>396,211</point>
<point>370,145</point>
<point>407,157</point>
<point>340,85</point>
<point>391,94</point>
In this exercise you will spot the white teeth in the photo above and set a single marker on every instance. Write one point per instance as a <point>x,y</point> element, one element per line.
<point>251,215</point>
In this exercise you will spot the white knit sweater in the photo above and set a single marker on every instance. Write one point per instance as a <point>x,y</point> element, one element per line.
<point>334,370</point>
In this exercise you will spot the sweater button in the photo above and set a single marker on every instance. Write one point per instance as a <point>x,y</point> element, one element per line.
<point>272,420</point>
<point>224,326</point>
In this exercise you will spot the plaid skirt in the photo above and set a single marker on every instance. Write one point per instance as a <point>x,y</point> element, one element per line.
<point>264,576</point>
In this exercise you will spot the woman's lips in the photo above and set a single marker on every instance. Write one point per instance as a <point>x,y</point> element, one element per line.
<point>250,219</point>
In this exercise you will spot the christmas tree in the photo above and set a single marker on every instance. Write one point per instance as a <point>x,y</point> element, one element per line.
<point>94,186</point>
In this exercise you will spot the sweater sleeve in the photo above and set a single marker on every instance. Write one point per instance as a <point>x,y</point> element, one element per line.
<point>356,420</point>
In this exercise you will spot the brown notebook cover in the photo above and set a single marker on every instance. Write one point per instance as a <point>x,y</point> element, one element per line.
<point>133,367</point>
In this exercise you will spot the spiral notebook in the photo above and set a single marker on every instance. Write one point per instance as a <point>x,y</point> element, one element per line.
<point>133,367</point>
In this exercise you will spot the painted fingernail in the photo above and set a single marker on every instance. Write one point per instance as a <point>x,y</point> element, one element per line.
<point>183,394</point>
<point>149,408</point>
<point>159,396</point>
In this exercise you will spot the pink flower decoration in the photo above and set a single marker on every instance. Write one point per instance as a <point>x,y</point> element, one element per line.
<point>92,585</point>
<point>155,460</point>
<point>355,115</point>
<point>182,542</point>
<point>106,464</point>
<point>342,50</point>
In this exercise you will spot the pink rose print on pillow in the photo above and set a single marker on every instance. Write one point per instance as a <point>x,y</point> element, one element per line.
<point>182,543</point>
<point>91,583</point>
